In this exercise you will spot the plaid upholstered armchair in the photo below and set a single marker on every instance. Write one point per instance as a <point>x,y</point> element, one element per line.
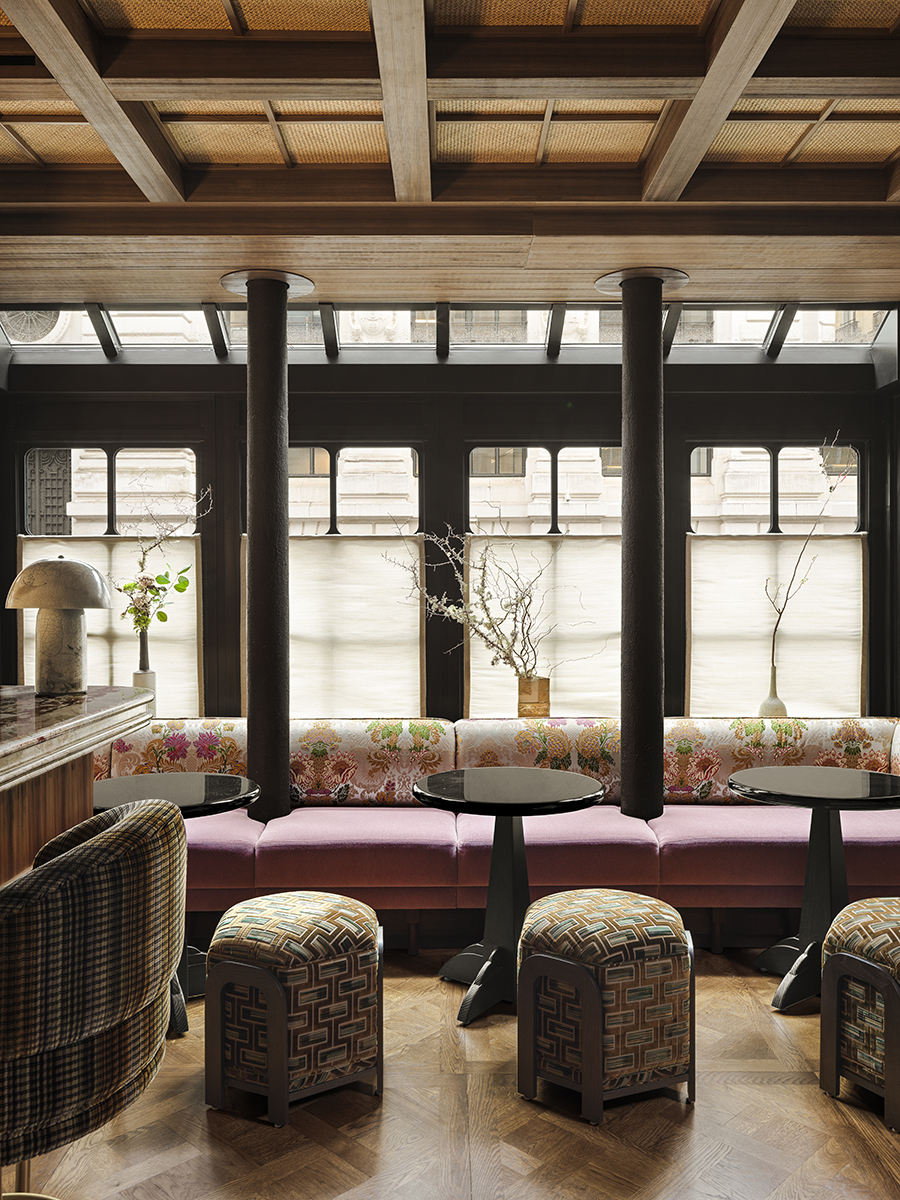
<point>89,941</point>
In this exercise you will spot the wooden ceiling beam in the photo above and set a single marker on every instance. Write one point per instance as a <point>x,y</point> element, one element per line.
<point>60,34</point>
<point>399,27</point>
<point>515,186</point>
<point>242,68</point>
<point>738,38</point>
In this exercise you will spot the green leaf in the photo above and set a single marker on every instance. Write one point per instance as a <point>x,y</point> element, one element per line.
<point>164,579</point>
<point>181,586</point>
<point>161,616</point>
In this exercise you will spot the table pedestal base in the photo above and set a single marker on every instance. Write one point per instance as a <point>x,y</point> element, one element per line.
<point>799,959</point>
<point>490,965</point>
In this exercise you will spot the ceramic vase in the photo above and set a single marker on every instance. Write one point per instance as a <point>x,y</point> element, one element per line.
<point>772,706</point>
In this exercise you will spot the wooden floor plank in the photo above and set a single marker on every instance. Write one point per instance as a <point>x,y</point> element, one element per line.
<point>451,1126</point>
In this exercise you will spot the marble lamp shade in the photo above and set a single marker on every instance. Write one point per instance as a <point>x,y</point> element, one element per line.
<point>60,589</point>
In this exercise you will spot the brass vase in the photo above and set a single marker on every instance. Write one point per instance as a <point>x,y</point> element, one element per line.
<point>534,696</point>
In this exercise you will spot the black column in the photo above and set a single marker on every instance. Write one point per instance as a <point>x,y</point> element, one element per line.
<point>642,547</point>
<point>268,625</point>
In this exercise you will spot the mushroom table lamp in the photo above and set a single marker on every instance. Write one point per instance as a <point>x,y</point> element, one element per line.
<point>60,589</point>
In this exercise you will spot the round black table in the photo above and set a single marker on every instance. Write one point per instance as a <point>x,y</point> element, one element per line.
<point>827,791</point>
<point>507,794</point>
<point>195,793</point>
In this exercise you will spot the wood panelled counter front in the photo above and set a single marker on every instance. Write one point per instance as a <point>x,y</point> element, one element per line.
<point>46,767</point>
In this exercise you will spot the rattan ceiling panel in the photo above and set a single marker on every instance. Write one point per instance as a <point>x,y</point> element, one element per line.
<point>487,141</point>
<point>74,144</point>
<point>844,14</point>
<point>491,108</point>
<point>351,142</point>
<point>4,19</point>
<point>52,109</point>
<point>161,14</point>
<point>235,143</point>
<point>597,141</point>
<point>641,12</point>
<point>10,152</point>
<point>211,108</point>
<point>755,141</point>
<point>343,16</point>
<point>327,108</point>
<point>499,12</point>
<point>608,107</point>
<point>801,105</point>
<point>876,105</point>
<point>852,141</point>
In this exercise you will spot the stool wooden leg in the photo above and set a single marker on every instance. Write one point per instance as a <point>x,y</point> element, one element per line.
<point>838,967</point>
<point>216,983</point>
<point>379,1059</point>
<point>546,966</point>
<point>242,974</point>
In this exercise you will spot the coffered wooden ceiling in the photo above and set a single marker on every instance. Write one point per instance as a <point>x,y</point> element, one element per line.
<point>480,151</point>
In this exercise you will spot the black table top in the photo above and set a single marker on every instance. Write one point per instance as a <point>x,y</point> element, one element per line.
<point>818,787</point>
<point>195,793</point>
<point>509,791</point>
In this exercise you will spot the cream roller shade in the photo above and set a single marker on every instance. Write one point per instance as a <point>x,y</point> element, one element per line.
<point>356,631</point>
<point>582,604</point>
<point>820,651</point>
<point>112,642</point>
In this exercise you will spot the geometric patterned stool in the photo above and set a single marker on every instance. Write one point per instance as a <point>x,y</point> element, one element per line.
<point>293,998</point>
<point>605,997</point>
<point>860,1022</point>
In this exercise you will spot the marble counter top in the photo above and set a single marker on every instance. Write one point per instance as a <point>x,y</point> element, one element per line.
<point>38,733</point>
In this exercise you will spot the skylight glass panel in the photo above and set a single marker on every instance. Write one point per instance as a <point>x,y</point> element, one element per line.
<point>723,326</point>
<point>498,326</point>
<point>48,327</point>
<point>826,326</point>
<point>386,327</point>
<point>160,327</point>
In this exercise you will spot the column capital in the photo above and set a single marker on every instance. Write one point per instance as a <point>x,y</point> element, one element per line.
<point>297,285</point>
<point>671,277</point>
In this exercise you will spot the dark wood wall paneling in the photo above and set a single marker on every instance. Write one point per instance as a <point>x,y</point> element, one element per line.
<point>442,409</point>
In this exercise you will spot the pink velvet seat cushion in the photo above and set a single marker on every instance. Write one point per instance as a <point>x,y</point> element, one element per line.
<point>871,843</point>
<point>222,850</point>
<point>331,848</point>
<point>755,844</point>
<point>595,847</point>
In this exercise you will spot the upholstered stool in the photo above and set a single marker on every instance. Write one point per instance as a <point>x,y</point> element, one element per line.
<point>293,998</point>
<point>860,1024</point>
<point>605,996</point>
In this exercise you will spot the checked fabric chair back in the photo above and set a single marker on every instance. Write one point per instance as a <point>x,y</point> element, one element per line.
<point>89,941</point>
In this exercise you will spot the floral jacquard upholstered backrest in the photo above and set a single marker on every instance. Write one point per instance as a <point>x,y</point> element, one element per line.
<point>347,761</point>
<point>701,753</point>
<point>355,762</point>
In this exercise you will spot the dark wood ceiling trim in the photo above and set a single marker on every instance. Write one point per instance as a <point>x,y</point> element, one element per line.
<point>59,33</point>
<point>399,27</point>
<point>670,326</point>
<point>737,41</point>
<point>105,330</point>
<point>779,328</point>
<point>555,327</point>
<point>218,330</point>
<point>329,330</point>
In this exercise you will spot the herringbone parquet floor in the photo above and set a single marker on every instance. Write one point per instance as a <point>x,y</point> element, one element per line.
<point>450,1125</point>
